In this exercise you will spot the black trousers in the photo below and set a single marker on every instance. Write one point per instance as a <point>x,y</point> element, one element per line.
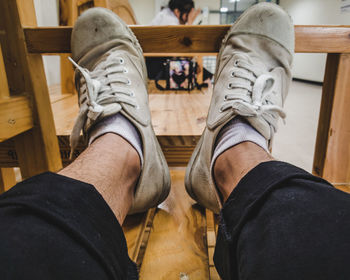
<point>280,222</point>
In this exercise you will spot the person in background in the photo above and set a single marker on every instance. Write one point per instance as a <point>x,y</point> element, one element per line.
<point>178,12</point>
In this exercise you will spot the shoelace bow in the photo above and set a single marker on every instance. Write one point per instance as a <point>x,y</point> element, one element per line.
<point>258,86</point>
<point>98,89</point>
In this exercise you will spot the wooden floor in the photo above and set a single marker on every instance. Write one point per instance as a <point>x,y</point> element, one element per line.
<point>170,242</point>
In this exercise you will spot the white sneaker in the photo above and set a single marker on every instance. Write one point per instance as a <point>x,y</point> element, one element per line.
<point>111,78</point>
<point>253,74</point>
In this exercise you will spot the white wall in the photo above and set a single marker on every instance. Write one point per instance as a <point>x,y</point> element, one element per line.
<point>308,12</point>
<point>47,15</point>
<point>144,10</point>
<point>212,5</point>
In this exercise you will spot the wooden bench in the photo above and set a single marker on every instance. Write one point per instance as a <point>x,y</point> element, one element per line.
<point>332,160</point>
<point>182,238</point>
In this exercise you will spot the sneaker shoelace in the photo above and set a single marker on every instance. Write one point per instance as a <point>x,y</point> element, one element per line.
<point>99,88</point>
<point>255,101</point>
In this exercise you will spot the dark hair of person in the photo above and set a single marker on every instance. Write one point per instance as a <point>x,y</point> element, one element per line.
<point>184,6</point>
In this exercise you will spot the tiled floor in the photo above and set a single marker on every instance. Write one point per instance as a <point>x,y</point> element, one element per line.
<point>295,141</point>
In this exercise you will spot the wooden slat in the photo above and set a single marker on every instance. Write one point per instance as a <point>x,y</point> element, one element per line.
<point>7,179</point>
<point>137,232</point>
<point>176,247</point>
<point>4,88</point>
<point>211,242</point>
<point>322,39</point>
<point>15,117</point>
<point>193,39</point>
<point>344,188</point>
<point>332,159</point>
<point>178,121</point>
<point>328,88</point>
<point>177,154</point>
<point>68,15</point>
<point>171,54</point>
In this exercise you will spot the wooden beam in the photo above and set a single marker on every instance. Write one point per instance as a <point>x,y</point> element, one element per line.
<point>344,188</point>
<point>67,16</point>
<point>15,117</point>
<point>4,88</point>
<point>7,179</point>
<point>137,229</point>
<point>332,154</point>
<point>176,246</point>
<point>322,39</point>
<point>211,242</point>
<point>328,88</point>
<point>177,150</point>
<point>192,39</point>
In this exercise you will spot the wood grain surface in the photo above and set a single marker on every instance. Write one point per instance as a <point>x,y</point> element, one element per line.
<point>336,167</point>
<point>177,243</point>
<point>178,121</point>
<point>7,179</point>
<point>326,110</point>
<point>193,39</point>
<point>4,87</point>
<point>15,116</point>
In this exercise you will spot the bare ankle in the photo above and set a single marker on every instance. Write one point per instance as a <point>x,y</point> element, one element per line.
<point>113,167</point>
<point>233,164</point>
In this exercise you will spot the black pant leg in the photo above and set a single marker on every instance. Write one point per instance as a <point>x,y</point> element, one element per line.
<point>54,227</point>
<point>281,222</point>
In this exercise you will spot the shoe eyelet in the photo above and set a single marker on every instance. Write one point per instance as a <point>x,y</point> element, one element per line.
<point>137,107</point>
<point>121,61</point>
<point>125,70</point>
<point>129,82</point>
<point>232,74</point>
<point>236,62</point>
<point>220,110</point>
<point>132,94</point>
<point>229,86</point>
<point>225,98</point>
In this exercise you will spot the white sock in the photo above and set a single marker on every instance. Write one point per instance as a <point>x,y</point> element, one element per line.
<point>234,132</point>
<point>120,125</point>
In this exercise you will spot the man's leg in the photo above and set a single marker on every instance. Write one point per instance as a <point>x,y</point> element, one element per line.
<point>66,226</point>
<point>278,221</point>
<point>113,167</point>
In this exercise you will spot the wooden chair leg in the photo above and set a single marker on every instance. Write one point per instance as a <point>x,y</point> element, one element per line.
<point>211,242</point>
<point>200,65</point>
<point>332,153</point>
<point>7,179</point>
<point>68,15</point>
<point>137,229</point>
<point>67,74</point>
